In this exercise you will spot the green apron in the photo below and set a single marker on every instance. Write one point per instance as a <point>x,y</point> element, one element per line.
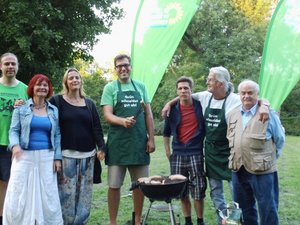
<point>127,146</point>
<point>217,150</point>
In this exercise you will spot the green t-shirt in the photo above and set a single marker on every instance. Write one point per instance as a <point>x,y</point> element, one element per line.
<point>109,96</point>
<point>8,96</point>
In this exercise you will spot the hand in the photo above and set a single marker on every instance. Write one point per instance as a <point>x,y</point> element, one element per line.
<point>100,155</point>
<point>19,102</point>
<point>264,112</point>
<point>150,146</point>
<point>128,122</point>
<point>17,152</point>
<point>57,165</point>
<point>165,112</point>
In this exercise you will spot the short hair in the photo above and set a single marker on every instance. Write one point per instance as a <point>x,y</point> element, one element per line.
<point>252,83</point>
<point>185,79</point>
<point>65,80</point>
<point>122,56</point>
<point>223,76</point>
<point>8,54</point>
<point>38,78</point>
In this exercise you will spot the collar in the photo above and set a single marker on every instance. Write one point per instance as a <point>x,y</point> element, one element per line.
<point>251,111</point>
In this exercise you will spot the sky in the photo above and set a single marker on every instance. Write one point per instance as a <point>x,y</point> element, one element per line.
<point>119,40</point>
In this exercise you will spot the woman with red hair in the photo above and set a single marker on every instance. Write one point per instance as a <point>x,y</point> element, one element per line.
<point>34,139</point>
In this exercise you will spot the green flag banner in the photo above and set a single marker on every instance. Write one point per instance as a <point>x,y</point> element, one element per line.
<point>280,70</point>
<point>158,29</point>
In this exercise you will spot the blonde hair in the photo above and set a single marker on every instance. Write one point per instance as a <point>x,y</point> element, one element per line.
<point>65,80</point>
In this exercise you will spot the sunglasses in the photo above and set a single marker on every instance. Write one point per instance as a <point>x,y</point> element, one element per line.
<point>126,65</point>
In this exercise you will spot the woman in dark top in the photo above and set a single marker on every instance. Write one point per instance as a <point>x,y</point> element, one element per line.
<point>81,140</point>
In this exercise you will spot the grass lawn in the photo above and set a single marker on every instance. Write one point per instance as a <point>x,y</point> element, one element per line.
<point>289,180</point>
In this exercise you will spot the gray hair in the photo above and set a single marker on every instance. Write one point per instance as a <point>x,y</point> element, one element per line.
<point>252,83</point>
<point>222,75</point>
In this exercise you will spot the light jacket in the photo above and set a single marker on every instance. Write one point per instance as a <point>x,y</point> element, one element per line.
<point>20,127</point>
<point>195,144</point>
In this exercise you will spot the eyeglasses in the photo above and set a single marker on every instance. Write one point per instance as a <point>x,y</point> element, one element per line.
<point>126,65</point>
<point>211,80</point>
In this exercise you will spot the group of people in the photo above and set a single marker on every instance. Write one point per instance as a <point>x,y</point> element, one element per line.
<point>48,148</point>
<point>242,137</point>
<point>48,145</point>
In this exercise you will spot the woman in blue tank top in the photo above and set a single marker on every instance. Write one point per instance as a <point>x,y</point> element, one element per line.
<point>34,136</point>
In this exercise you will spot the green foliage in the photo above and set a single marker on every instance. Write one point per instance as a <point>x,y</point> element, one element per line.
<point>289,114</point>
<point>48,35</point>
<point>93,86</point>
<point>220,34</point>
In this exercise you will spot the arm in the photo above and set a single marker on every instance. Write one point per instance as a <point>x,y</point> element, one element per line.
<point>97,131</point>
<point>14,131</point>
<point>14,135</point>
<point>167,146</point>
<point>57,147</point>
<point>166,109</point>
<point>112,119</point>
<point>150,128</point>
<point>276,132</point>
<point>57,141</point>
<point>264,110</point>
<point>166,135</point>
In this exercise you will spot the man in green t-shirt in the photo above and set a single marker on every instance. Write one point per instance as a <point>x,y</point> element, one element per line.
<point>126,108</point>
<point>11,90</point>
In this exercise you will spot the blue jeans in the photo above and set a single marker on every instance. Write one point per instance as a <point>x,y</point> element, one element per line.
<point>217,195</point>
<point>249,189</point>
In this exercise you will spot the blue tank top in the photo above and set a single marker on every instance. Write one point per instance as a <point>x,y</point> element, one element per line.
<point>40,132</point>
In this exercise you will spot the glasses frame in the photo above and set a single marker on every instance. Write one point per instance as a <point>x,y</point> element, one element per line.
<point>126,65</point>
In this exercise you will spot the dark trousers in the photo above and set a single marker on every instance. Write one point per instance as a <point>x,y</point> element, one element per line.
<point>250,190</point>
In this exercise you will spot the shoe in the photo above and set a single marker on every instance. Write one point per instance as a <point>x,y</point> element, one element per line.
<point>201,223</point>
<point>188,223</point>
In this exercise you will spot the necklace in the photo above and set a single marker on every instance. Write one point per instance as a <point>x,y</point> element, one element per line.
<point>74,100</point>
<point>39,107</point>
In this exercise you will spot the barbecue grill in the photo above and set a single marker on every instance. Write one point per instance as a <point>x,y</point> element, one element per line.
<point>163,191</point>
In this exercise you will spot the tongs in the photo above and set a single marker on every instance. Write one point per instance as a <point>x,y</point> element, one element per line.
<point>138,112</point>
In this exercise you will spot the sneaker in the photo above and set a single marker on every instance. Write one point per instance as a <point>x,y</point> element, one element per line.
<point>201,223</point>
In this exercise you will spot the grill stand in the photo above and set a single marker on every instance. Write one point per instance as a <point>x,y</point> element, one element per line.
<point>171,211</point>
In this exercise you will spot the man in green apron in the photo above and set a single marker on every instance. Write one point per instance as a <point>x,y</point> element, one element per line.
<point>220,100</point>
<point>126,108</point>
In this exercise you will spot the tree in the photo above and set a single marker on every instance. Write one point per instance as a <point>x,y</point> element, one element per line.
<point>48,35</point>
<point>222,34</point>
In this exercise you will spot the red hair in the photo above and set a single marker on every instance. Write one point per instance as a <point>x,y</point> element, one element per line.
<point>36,79</point>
